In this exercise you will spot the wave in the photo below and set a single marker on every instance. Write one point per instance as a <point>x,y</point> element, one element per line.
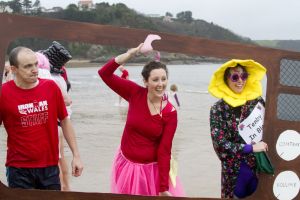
<point>196,91</point>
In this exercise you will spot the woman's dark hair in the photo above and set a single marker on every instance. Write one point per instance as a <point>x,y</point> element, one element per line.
<point>227,71</point>
<point>151,66</point>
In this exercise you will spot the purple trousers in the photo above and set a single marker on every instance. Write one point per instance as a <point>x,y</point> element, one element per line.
<point>246,182</point>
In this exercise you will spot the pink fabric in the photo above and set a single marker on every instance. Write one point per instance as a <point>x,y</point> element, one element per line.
<point>147,47</point>
<point>43,62</point>
<point>138,179</point>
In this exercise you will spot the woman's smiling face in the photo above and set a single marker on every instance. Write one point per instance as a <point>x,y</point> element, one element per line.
<point>157,82</point>
<point>237,79</point>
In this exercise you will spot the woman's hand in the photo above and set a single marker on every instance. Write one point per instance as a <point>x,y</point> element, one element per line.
<point>165,193</point>
<point>121,59</point>
<point>135,51</point>
<point>260,146</point>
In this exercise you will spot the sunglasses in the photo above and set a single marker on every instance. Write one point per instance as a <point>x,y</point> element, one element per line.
<point>235,76</point>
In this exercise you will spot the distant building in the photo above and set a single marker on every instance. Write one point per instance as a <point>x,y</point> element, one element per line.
<point>57,9</point>
<point>5,9</point>
<point>152,15</point>
<point>49,10</point>
<point>85,4</point>
<point>167,19</point>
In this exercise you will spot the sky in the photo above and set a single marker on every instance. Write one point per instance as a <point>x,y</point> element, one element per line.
<point>255,19</point>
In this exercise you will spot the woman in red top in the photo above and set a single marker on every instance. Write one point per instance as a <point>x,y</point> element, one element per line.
<point>142,164</point>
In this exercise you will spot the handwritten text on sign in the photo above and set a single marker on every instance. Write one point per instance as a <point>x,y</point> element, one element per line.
<point>251,129</point>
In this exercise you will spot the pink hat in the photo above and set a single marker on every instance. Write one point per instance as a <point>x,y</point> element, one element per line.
<point>43,62</point>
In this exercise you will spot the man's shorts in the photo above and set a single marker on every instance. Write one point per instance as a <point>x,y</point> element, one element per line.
<point>33,178</point>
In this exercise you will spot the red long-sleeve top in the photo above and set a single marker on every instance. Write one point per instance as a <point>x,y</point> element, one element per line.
<point>146,138</point>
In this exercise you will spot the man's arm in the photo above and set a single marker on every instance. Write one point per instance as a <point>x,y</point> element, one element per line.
<point>69,135</point>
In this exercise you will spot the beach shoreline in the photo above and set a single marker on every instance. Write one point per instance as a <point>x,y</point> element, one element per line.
<point>77,63</point>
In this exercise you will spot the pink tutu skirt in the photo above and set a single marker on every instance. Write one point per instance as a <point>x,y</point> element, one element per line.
<point>138,179</point>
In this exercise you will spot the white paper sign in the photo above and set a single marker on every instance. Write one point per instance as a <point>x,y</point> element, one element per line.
<point>286,185</point>
<point>288,145</point>
<point>251,129</point>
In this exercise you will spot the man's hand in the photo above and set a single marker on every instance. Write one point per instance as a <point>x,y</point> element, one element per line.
<point>77,167</point>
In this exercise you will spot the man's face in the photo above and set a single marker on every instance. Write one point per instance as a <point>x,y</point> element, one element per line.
<point>27,71</point>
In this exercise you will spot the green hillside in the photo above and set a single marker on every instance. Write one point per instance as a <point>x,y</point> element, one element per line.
<point>120,15</point>
<point>291,45</point>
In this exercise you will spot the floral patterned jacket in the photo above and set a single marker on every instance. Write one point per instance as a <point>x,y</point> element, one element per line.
<point>227,142</point>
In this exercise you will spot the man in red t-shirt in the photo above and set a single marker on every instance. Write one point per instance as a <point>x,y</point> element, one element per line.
<point>29,110</point>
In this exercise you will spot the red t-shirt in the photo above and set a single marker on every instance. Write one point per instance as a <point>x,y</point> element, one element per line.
<point>146,138</point>
<point>30,119</point>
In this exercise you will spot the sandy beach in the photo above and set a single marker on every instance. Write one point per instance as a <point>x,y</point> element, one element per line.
<point>99,125</point>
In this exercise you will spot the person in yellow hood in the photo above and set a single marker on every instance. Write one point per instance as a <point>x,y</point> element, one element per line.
<point>238,85</point>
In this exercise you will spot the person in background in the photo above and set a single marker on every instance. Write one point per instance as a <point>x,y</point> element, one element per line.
<point>7,76</point>
<point>44,72</point>
<point>238,85</point>
<point>29,109</point>
<point>142,164</point>
<point>58,56</point>
<point>173,97</point>
<point>43,66</point>
<point>65,76</point>
<point>124,75</point>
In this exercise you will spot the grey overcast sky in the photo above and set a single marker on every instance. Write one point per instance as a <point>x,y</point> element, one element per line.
<point>256,19</point>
